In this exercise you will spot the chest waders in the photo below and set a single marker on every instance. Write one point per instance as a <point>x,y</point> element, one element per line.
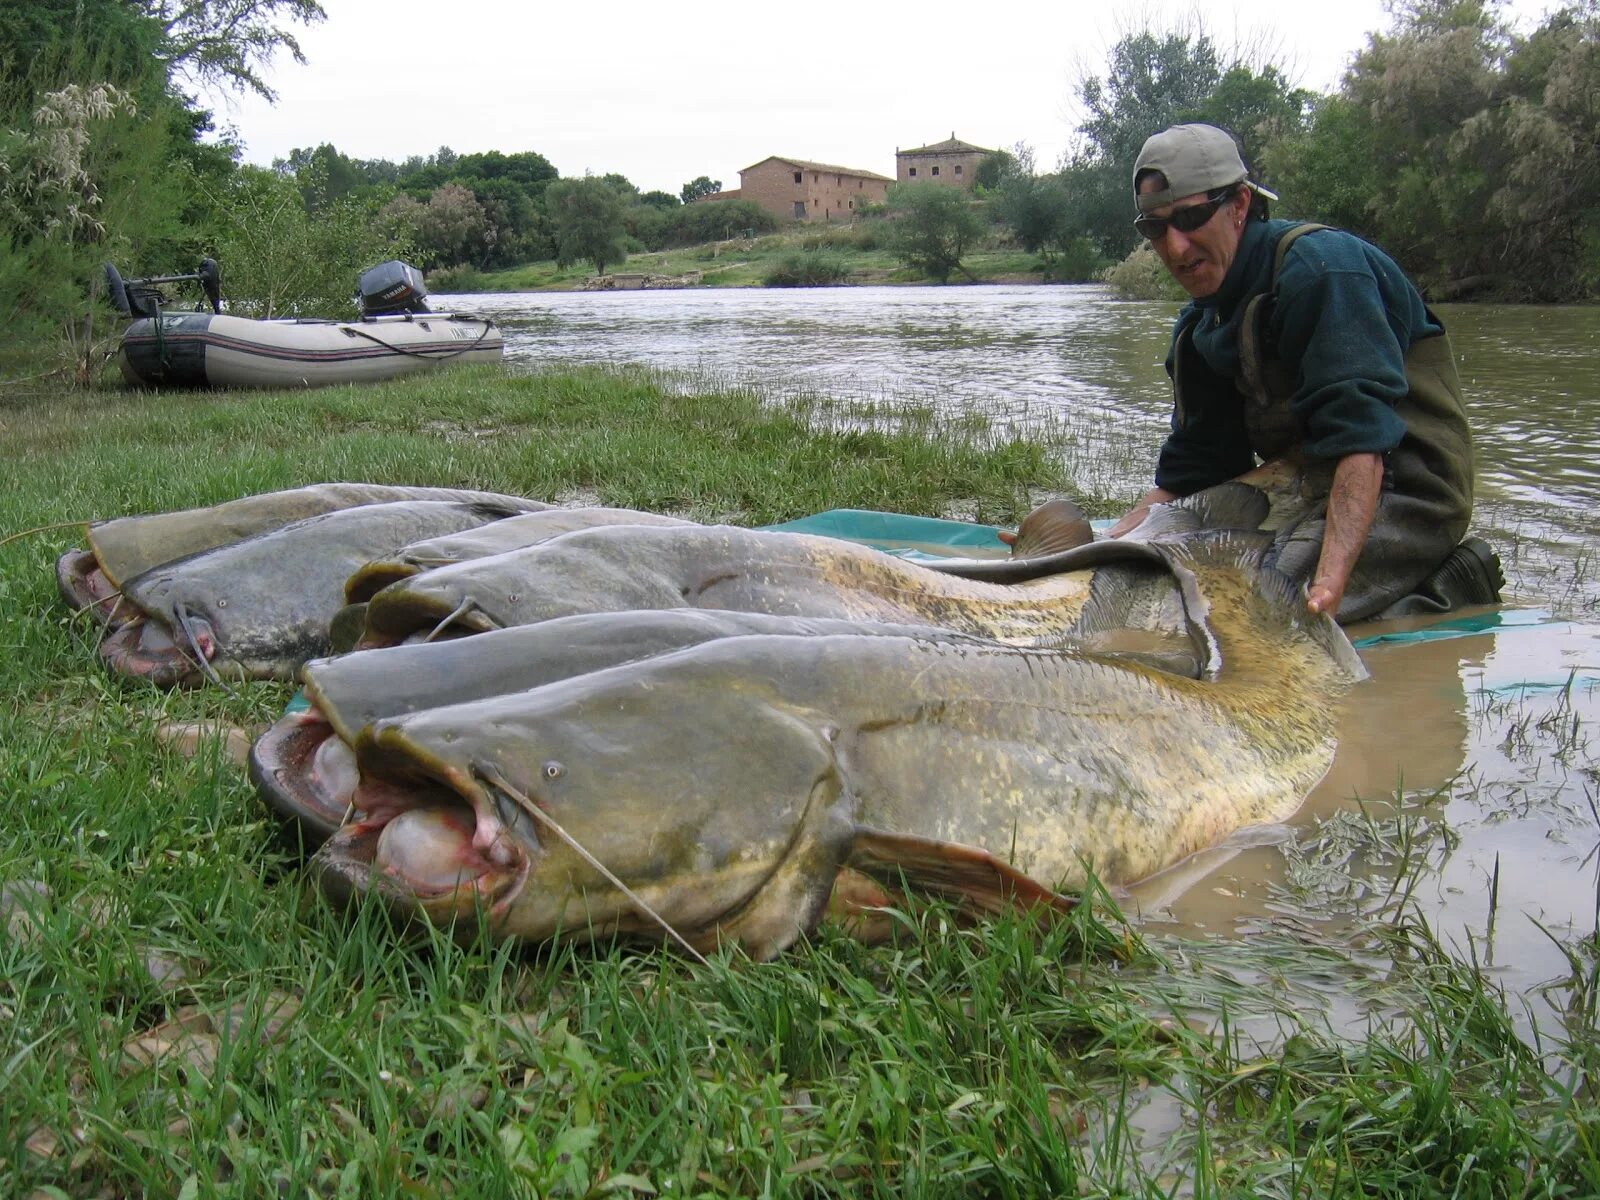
<point>1427,485</point>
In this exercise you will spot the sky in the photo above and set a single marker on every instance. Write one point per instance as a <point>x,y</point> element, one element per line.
<point>664,91</point>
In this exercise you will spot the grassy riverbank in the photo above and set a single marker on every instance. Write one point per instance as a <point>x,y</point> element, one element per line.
<point>181,1015</point>
<point>858,253</point>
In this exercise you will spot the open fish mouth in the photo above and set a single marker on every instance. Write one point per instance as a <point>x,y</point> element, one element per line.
<point>84,585</point>
<point>420,622</point>
<point>148,648</point>
<point>415,841</point>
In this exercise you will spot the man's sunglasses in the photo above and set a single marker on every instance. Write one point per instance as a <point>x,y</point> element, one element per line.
<point>1184,220</point>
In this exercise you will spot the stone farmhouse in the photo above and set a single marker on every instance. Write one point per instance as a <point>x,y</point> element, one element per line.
<point>951,162</point>
<point>795,189</point>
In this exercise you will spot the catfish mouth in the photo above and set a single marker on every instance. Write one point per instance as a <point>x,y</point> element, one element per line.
<point>415,841</point>
<point>147,648</point>
<point>84,585</point>
<point>407,620</point>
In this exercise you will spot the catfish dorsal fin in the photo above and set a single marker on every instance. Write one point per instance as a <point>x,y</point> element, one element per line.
<point>1230,505</point>
<point>954,869</point>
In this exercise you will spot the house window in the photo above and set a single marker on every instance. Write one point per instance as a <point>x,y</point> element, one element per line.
<point>851,203</point>
<point>913,172</point>
<point>838,181</point>
<point>799,210</point>
<point>936,170</point>
<point>958,168</point>
<point>798,177</point>
<point>815,177</point>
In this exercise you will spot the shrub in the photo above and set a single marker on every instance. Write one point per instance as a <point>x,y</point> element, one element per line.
<point>713,220</point>
<point>1078,260</point>
<point>464,278</point>
<point>807,268</point>
<point>1141,276</point>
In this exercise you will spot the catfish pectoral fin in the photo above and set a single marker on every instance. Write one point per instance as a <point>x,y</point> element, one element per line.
<point>1054,526</point>
<point>967,873</point>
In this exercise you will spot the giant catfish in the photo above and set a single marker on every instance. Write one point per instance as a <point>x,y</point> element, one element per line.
<point>121,548</point>
<point>304,765</point>
<point>720,567</point>
<point>260,607</point>
<point>719,793</point>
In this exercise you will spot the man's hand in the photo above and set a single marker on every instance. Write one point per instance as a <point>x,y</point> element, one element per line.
<point>1137,514</point>
<point>1325,596</point>
<point>1352,503</point>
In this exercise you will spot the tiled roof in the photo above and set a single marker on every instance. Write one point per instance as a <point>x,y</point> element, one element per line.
<point>806,165</point>
<point>951,145</point>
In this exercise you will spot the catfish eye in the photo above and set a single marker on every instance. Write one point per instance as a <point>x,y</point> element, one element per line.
<point>554,770</point>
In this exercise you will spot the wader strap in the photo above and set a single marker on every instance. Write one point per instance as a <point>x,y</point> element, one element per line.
<point>1271,425</point>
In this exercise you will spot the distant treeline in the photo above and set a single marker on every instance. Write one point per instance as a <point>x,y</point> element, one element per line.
<point>1465,148</point>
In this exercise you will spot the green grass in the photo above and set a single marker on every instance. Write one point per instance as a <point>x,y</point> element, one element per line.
<point>182,1015</point>
<point>747,262</point>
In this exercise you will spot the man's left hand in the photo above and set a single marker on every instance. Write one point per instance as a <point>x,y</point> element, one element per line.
<point>1324,596</point>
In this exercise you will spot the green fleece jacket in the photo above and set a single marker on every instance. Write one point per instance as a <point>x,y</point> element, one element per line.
<point>1344,319</point>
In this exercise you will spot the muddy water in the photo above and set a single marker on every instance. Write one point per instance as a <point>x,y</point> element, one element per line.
<point>1466,777</point>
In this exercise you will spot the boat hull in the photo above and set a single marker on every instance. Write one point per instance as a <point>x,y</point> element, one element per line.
<point>179,349</point>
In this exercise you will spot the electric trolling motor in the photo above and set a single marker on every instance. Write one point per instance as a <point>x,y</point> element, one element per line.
<point>144,297</point>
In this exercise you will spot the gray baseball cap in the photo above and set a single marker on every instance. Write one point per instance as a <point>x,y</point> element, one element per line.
<point>1194,159</point>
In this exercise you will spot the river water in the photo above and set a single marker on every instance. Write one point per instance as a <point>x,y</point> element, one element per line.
<point>1486,745</point>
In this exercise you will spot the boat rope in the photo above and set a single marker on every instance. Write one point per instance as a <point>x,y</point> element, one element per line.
<point>431,355</point>
<point>493,777</point>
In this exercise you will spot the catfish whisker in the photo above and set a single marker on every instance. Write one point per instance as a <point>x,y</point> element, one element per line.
<point>490,775</point>
<point>466,606</point>
<point>181,611</point>
<point>45,529</point>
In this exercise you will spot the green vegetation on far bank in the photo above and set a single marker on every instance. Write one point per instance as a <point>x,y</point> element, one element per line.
<point>860,249</point>
<point>182,1015</point>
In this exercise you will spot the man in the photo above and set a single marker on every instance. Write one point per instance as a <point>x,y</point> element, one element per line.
<point>1306,348</point>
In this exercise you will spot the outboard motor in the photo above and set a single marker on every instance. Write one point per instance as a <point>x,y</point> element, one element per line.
<point>392,287</point>
<point>144,297</point>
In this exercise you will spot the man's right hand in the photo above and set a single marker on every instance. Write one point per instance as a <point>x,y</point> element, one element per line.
<point>1136,515</point>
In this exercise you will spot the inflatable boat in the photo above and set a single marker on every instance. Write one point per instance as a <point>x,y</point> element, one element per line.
<point>396,335</point>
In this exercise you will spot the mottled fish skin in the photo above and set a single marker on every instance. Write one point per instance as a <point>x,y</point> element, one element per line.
<point>513,533</point>
<point>262,606</point>
<point>729,784</point>
<point>717,567</point>
<point>299,769</point>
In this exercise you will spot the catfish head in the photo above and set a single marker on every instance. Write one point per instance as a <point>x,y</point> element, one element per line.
<point>627,802</point>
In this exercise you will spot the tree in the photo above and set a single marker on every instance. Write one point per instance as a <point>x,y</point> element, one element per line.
<point>662,200</point>
<point>225,43</point>
<point>279,260</point>
<point>586,217</point>
<point>1153,81</point>
<point>994,169</point>
<point>700,185</point>
<point>935,226</point>
<point>712,220</point>
<point>1482,160</point>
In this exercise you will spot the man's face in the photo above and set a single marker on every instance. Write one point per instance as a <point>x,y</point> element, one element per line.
<point>1200,260</point>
